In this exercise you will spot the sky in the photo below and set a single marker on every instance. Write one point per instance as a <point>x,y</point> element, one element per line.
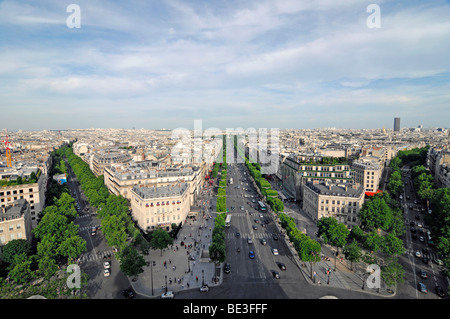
<point>231,64</point>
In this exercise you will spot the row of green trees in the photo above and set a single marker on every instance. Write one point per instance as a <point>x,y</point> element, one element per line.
<point>217,248</point>
<point>264,186</point>
<point>307,248</point>
<point>221,202</point>
<point>34,268</point>
<point>437,199</point>
<point>117,225</point>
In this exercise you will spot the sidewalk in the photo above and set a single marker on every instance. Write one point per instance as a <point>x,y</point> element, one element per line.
<point>184,266</point>
<point>325,272</point>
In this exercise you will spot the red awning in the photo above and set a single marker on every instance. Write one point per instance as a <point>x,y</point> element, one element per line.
<point>372,193</point>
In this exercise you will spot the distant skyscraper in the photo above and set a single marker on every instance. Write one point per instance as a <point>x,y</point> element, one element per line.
<point>396,124</point>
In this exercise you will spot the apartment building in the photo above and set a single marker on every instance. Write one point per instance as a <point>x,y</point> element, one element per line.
<point>101,160</point>
<point>438,162</point>
<point>327,199</point>
<point>33,193</point>
<point>296,171</point>
<point>15,222</point>
<point>120,179</point>
<point>160,207</point>
<point>367,172</point>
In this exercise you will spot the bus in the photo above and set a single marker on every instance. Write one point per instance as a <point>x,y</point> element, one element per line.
<point>228,221</point>
<point>261,205</point>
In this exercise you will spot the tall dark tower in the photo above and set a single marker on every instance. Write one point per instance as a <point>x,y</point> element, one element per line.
<point>396,124</point>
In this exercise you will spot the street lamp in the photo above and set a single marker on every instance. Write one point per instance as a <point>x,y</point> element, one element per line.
<point>166,282</point>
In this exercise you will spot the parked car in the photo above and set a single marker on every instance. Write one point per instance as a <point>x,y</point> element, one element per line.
<point>167,295</point>
<point>440,292</point>
<point>106,272</point>
<point>106,265</point>
<point>282,266</point>
<point>422,287</point>
<point>423,274</point>
<point>128,293</point>
<point>227,268</point>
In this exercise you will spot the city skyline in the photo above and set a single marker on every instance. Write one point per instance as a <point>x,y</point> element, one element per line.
<point>283,64</point>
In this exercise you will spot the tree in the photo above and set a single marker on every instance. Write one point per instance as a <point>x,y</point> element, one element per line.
<point>333,233</point>
<point>72,247</point>
<point>21,269</point>
<point>131,262</point>
<point>392,272</point>
<point>352,252</point>
<point>15,247</point>
<point>113,228</point>
<point>373,241</point>
<point>392,245</point>
<point>376,214</point>
<point>395,184</point>
<point>160,239</point>
<point>47,267</point>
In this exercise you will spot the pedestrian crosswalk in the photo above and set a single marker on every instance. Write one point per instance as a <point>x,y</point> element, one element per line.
<point>88,227</point>
<point>85,215</point>
<point>91,256</point>
<point>250,235</point>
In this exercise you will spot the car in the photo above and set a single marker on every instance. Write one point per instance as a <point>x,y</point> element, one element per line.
<point>204,288</point>
<point>238,235</point>
<point>251,254</point>
<point>263,241</point>
<point>422,287</point>
<point>440,292</point>
<point>282,266</point>
<point>275,251</point>
<point>275,237</point>
<point>413,229</point>
<point>275,274</point>
<point>255,227</point>
<point>106,272</point>
<point>106,265</point>
<point>249,241</point>
<point>423,274</point>
<point>93,231</point>
<point>167,295</point>
<point>128,293</point>
<point>425,259</point>
<point>421,239</point>
<point>437,261</point>
<point>227,268</point>
<point>418,254</point>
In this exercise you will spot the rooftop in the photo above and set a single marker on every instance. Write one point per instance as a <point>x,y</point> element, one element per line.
<point>161,191</point>
<point>341,189</point>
